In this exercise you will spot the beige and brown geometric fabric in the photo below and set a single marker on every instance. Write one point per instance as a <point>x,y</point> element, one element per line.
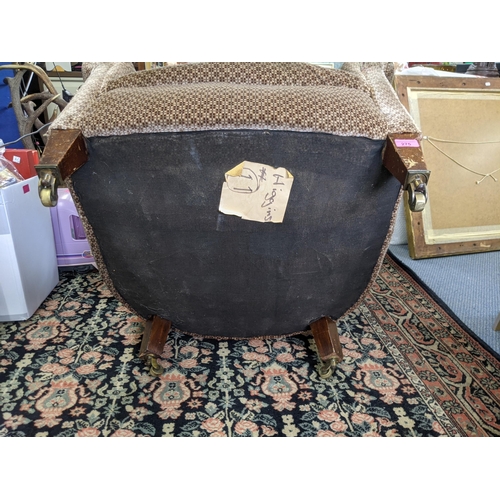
<point>117,100</point>
<point>246,73</point>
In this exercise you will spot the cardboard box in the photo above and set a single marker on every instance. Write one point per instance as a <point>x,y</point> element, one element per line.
<point>28,264</point>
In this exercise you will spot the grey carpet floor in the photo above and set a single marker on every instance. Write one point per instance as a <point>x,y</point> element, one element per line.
<point>468,284</point>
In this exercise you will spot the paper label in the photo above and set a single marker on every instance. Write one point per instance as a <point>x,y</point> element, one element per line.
<point>406,143</point>
<point>16,159</point>
<point>254,191</point>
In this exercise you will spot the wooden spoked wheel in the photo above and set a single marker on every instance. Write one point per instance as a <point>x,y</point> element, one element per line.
<point>27,108</point>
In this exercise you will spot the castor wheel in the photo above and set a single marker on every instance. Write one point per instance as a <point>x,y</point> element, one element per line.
<point>155,370</point>
<point>327,368</point>
<point>47,190</point>
<point>47,198</point>
<point>417,194</point>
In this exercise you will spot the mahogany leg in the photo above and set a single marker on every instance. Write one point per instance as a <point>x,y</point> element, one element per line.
<point>327,340</point>
<point>153,341</point>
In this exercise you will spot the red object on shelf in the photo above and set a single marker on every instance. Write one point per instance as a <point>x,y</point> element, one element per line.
<point>24,160</point>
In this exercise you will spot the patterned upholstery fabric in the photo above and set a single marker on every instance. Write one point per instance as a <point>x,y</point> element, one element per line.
<point>87,96</point>
<point>252,73</point>
<point>397,117</point>
<point>379,77</point>
<point>117,100</point>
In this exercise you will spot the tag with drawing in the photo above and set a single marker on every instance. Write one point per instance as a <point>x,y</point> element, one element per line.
<point>254,191</point>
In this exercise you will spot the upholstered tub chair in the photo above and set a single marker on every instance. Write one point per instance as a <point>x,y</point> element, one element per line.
<point>150,155</point>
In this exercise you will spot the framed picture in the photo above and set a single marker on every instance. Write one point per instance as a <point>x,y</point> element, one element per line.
<point>459,118</point>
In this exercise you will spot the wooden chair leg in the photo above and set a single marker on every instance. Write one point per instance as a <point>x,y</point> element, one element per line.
<point>153,342</point>
<point>327,340</point>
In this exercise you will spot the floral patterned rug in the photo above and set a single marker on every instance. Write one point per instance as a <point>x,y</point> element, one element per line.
<point>410,369</point>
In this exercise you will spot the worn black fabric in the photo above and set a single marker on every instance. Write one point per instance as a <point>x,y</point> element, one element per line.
<point>152,201</point>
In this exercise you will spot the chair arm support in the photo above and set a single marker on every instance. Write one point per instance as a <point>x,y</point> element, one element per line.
<point>403,157</point>
<point>63,155</point>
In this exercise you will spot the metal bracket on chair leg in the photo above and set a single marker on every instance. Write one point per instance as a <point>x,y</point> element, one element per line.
<point>327,340</point>
<point>153,341</point>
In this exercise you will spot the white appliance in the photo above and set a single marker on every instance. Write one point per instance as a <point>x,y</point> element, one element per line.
<point>28,263</point>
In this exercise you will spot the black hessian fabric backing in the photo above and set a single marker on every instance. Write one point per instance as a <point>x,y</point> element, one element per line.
<point>152,201</point>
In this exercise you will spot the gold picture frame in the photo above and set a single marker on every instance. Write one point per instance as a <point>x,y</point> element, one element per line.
<point>459,118</point>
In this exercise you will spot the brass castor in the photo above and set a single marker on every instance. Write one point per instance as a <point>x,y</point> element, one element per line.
<point>47,190</point>
<point>417,194</point>
<point>327,368</point>
<point>155,370</point>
